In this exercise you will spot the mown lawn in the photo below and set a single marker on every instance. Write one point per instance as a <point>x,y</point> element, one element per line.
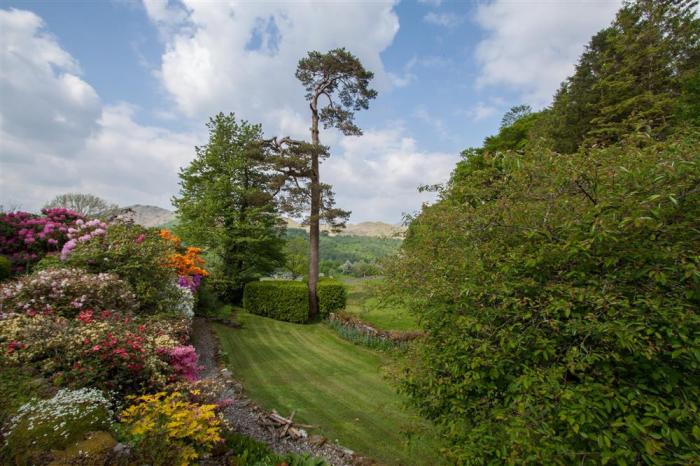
<point>329,382</point>
<point>362,303</point>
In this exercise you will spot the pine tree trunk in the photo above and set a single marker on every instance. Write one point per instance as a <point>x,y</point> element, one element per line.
<point>314,218</point>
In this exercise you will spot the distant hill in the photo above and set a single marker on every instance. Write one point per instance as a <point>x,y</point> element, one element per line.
<point>374,229</point>
<point>147,215</point>
<point>152,216</point>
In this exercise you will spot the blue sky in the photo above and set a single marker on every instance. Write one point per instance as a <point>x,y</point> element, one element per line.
<point>110,97</point>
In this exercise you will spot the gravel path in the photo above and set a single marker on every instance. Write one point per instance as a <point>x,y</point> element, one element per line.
<point>244,415</point>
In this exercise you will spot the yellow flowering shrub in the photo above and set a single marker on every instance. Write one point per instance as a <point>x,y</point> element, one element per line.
<point>167,429</point>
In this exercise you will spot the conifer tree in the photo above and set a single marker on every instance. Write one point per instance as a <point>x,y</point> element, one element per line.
<point>337,85</point>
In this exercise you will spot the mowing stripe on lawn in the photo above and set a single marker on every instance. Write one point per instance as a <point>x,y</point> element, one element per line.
<point>329,382</point>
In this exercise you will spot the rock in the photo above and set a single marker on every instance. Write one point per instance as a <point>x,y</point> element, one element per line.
<point>317,440</point>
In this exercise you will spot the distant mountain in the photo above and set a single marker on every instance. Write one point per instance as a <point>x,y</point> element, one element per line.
<point>152,216</point>
<point>147,215</point>
<point>375,229</point>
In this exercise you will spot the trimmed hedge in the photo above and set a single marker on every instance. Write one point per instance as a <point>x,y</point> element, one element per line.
<point>5,267</point>
<point>331,296</point>
<point>279,299</point>
<point>289,300</point>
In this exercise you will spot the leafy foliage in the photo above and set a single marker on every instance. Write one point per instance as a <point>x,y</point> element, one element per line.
<point>226,205</point>
<point>167,429</point>
<point>5,268</point>
<point>289,300</point>
<point>331,296</point>
<point>279,299</point>
<point>637,74</point>
<point>561,306</point>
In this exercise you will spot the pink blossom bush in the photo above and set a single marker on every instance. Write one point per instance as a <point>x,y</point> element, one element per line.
<point>82,231</point>
<point>25,238</point>
<point>183,360</point>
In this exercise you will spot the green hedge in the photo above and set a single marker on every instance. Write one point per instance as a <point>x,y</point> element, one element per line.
<point>331,296</point>
<point>5,268</point>
<point>289,300</point>
<point>280,299</point>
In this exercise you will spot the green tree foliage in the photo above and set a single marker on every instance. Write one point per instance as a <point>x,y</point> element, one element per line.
<point>632,76</point>
<point>561,305</point>
<point>561,301</point>
<point>515,131</point>
<point>297,256</point>
<point>225,205</point>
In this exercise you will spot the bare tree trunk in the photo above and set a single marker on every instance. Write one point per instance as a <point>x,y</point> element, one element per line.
<point>314,218</point>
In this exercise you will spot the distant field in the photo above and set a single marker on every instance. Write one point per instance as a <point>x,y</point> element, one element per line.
<point>328,382</point>
<point>366,307</point>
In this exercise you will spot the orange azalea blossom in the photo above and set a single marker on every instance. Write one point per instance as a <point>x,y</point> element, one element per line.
<point>189,263</point>
<point>168,236</point>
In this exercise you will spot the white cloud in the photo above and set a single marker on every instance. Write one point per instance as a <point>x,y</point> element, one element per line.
<point>533,46</point>
<point>55,136</point>
<point>241,56</point>
<point>377,175</point>
<point>482,111</point>
<point>448,20</point>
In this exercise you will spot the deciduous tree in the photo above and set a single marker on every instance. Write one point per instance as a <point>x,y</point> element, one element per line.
<point>226,205</point>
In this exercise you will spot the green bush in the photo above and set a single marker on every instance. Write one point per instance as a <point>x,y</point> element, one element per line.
<point>560,297</point>
<point>289,300</point>
<point>5,268</point>
<point>331,296</point>
<point>279,299</point>
<point>50,261</point>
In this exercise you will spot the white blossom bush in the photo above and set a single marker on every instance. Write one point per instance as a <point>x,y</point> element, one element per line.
<point>66,292</point>
<point>55,423</point>
<point>185,302</point>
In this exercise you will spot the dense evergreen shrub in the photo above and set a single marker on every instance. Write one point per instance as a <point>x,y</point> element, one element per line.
<point>561,306</point>
<point>289,300</point>
<point>5,268</point>
<point>280,299</point>
<point>331,296</point>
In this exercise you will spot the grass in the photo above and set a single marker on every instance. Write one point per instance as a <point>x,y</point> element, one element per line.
<point>329,382</point>
<point>363,304</point>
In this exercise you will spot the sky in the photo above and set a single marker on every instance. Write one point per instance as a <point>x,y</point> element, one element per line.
<point>111,97</point>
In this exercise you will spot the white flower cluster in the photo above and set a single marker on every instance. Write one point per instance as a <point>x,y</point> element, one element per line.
<point>67,406</point>
<point>185,302</point>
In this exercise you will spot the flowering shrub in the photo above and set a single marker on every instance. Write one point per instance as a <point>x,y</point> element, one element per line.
<point>137,255</point>
<point>25,238</point>
<point>183,360</point>
<point>66,292</point>
<point>100,349</point>
<point>115,353</point>
<point>82,232</point>
<point>43,425</point>
<point>185,302</point>
<point>187,262</point>
<point>167,429</point>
